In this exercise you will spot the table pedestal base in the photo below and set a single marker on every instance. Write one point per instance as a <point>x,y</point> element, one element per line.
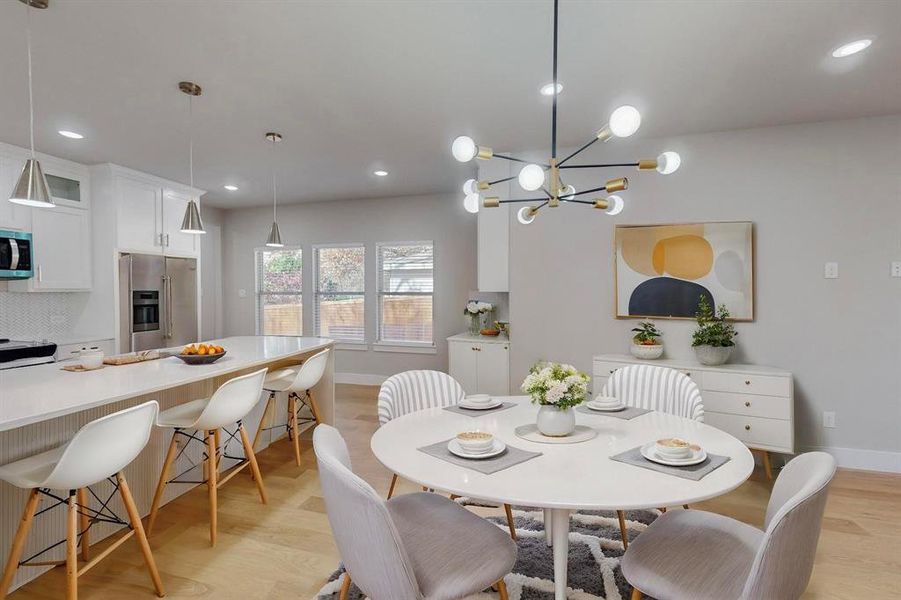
<point>559,539</point>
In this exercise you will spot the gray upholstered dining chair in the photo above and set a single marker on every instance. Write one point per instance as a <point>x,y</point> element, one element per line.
<point>412,547</point>
<point>697,555</point>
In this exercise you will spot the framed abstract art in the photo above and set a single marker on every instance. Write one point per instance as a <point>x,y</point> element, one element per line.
<point>661,271</point>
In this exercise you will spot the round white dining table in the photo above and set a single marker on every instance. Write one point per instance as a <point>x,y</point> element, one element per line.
<point>566,477</point>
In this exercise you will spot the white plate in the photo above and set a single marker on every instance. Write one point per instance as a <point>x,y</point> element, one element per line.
<point>455,448</point>
<point>697,457</point>
<point>595,407</point>
<point>484,406</point>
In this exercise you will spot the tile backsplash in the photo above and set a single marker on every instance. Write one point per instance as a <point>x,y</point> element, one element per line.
<point>38,316</point>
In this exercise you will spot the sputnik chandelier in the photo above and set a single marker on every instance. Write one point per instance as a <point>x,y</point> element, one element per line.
<point>624,121</point>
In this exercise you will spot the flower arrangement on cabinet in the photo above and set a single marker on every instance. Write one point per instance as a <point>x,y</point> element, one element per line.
<point>646,343</point>
<point>713,340</point>
<point>475,310</point>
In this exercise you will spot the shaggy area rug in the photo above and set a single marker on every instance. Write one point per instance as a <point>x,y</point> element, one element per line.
<point>595,548</point>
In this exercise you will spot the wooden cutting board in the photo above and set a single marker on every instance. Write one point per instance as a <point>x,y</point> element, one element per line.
<point>131,358</point>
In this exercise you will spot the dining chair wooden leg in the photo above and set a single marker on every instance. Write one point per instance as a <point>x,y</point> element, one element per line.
<point>508,509</point>
<point>292,416</point>
<point>219,453</point>
<point>663,510</point>
<point>15,552</point>
<point>71,548</point>
<point>264,421</point>
<point>345,586</point>
<point>767,465</point>
<point>134,516</point>
<point>161,484</point>
<point>84,523</point>
<point>623,532</point>
<point>636,594</point>
<point>686,507</point>
<point>251,457</point>
<point>502,589</point>
<point>212,484</point>
<point>393,484</point>
<point>313,408</point>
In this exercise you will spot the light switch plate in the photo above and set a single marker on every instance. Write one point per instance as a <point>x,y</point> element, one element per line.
<point>242,293</point>
<point>829,419</point>
<point>896,268</point>
<point>830,270</point>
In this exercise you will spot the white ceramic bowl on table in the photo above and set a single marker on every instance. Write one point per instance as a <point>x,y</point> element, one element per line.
<point>475,441</point>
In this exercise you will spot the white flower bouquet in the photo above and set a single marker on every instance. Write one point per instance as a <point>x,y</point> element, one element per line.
<point>557,385</point>
<point>474,307</point>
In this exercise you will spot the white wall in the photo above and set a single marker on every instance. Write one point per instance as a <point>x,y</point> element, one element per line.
<point>212,309</point>
<point>438,217</point>
<point>815,192</point>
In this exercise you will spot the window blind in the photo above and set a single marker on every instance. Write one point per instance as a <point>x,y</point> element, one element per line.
<point>279,291</point>
<point>405,293</point>
<point>339,305</point>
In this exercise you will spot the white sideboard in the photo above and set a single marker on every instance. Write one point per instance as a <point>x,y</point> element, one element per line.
<point>480,363</point>
<point>753,403</point>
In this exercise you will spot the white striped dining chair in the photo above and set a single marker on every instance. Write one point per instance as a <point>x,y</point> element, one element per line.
<point>655,388</point>
<point>411,391</point>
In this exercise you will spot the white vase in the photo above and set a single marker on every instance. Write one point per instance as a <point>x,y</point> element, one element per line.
<point>713,355</point>
<point>554,422</point>
<point>647,352</point>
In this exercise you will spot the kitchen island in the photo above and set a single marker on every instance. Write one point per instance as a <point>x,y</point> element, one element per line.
<point>42,406</point>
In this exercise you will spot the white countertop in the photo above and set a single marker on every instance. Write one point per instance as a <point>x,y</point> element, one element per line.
<point>482,339</point>
<point>42,392</point>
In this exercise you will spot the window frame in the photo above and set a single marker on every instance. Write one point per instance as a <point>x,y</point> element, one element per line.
<point>345,343</point>
<point>381,345</point>
<point>258,292</point>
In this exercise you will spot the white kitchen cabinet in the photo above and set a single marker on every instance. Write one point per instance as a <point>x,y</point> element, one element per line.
<point>138,217</point>
<point>62,251</point>
<point>481,364</point>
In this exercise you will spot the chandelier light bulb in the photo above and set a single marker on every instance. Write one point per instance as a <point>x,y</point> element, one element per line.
<point>615,205</point>
<point>471,186</point>
<point>525,215</point>
<point>625,121</point>
<point>464,149</point>
<point>471,203</point>
<point>568,193</point>
<point>668,162</point>
<point>531,177</point>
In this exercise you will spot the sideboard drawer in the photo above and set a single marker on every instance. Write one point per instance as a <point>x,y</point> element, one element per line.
<point>742,383</point>
<point>770,407</point>
<point>754,431</point>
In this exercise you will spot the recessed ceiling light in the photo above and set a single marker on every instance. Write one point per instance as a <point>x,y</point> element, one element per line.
<point>231,188</point>
<point>71,134</point>
<point>380,173</point>
<point>548,89</point>
<point>851,48</point>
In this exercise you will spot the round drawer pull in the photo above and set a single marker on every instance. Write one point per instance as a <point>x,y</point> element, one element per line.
<point>747,428</point>
<point>748,404</point>
<point>747,382</point>
<point>612,370</point>
<point>688,374</point>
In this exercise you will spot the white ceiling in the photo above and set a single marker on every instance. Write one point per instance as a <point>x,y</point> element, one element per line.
<point>359,85</point>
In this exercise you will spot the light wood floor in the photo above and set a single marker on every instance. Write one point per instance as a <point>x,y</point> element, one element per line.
<point>285,549</point>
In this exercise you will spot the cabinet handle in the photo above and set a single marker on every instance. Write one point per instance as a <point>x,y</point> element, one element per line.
<point>747,428</point>
<point>40,274</point>
<point>747,382</point>
<point>612,370</point>
<point>688,373</point>
<point>748,404</point>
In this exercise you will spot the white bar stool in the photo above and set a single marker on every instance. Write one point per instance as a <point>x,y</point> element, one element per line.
<point>99,451</point>
<point>297,382</point>
<point>227,406</point>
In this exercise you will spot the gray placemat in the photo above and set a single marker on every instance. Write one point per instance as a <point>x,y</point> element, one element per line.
<point>694,472</point>
<point>508,458</point>
<point>630,412</point>
<point>469,412</point>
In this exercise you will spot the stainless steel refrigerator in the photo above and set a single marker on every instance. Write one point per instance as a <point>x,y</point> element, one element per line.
<point>157,301</point>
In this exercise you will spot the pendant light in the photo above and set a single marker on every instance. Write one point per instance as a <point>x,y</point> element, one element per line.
<point>191,223</point>
<point>275,237</point>
<point>31,189</point>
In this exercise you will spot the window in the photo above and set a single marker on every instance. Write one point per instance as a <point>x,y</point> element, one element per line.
<point>339,304</point>
<point>279,291</point>
<point>405,287</point>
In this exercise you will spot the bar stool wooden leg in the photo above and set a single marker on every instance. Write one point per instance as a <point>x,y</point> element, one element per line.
<point>218,447</point>
<point>161,484</point>
<point>510,524</point>
<point>345,587</point>
<point>502,589</point>
<point>292,418</point>
<point>84,524</point>
<point>212,483</point>
<point>623,532</point>
<point>313,408</point>
<point>393,484</point>
<point>636,594</point>
<point>264,420</point>
<point>71,548</point>
<point>15,552</point>
<point>254,467</point>
<point>135,518</point>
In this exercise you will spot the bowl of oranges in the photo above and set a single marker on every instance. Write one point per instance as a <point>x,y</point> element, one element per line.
<point>201,354</point>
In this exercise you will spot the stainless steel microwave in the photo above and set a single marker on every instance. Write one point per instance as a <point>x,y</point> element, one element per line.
<point>15,255</point>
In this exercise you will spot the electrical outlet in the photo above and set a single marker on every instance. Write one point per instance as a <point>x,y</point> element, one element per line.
<point>242,293</point>
<point>829,419</point>
<point>896,268</point>
<point>830,270</point>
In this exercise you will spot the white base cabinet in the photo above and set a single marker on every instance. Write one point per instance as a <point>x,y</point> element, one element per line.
<point>480,363</point>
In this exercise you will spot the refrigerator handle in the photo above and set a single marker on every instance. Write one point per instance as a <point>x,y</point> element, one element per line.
<point>130,302</point>
<point>167,306</point>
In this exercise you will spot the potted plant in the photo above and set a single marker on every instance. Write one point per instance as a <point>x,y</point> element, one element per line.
<point>713,339</point>
<point>646,343</point>
<point>474,310</point>
<point>557,389</point>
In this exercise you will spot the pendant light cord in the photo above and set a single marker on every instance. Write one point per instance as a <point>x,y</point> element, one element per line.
<point>554,109</point>
<point>191,140</point>
<point>274,192</point>
<point>30,89</point>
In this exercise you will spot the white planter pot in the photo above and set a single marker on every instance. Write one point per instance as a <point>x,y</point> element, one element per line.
<point>647,352</point>
<point>713,355</point>
<point>554,422</point>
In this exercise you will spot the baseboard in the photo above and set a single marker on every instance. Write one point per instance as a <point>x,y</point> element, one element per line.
<point>360,378</point>
<point>866,460</point>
